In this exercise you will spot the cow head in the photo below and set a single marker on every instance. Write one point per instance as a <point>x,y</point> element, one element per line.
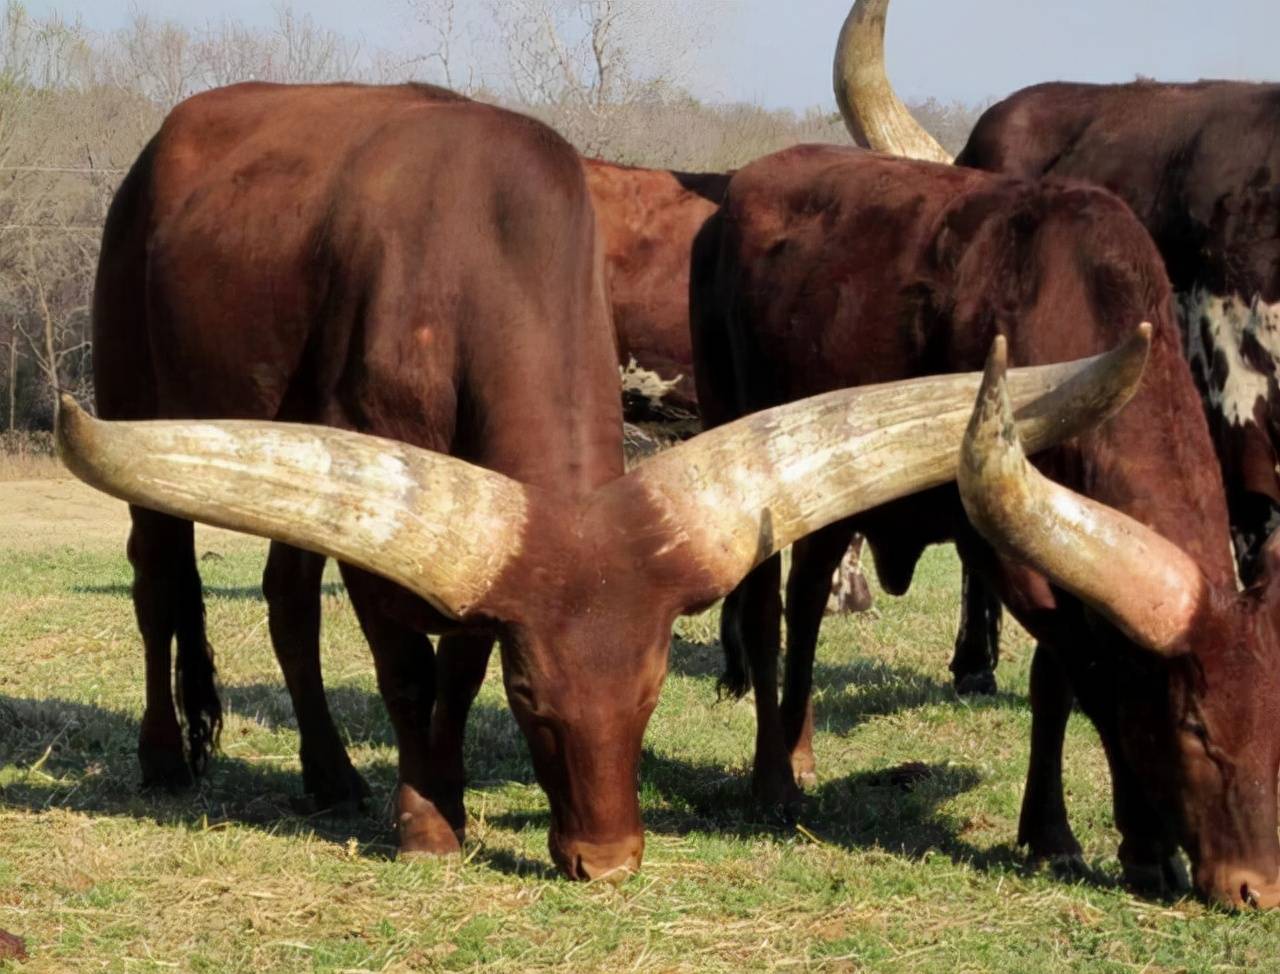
<point>582,590</point>
<point>1199,716</point>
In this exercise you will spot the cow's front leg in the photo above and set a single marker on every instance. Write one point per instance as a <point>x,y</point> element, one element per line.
<point>461,661</point>
<point>406,678</point>
<point>1043,825</point>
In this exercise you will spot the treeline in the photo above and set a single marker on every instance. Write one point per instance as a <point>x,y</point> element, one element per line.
<point>76,108</point>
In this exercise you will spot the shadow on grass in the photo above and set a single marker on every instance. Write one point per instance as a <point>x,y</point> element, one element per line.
<point>884,809</point>
<point>848,694</point>
<point>235,593</point>
<point>79,757</point>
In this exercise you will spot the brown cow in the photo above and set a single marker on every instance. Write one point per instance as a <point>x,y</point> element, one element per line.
<point>829,268</point>
<point>647,222</point>
<point>407,263</point>
<point>1200,166</point>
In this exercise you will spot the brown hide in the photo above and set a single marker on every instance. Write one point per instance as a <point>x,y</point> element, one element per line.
<point>397,261</point>
<point>831,267</point>
<point>405,263</point>
<point>647,221</point>
<point>1200,166</point>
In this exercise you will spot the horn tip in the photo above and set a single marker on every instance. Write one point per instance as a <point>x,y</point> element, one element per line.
<point>70,429</point>
<point>1145,331</point>
<point>998,357</point>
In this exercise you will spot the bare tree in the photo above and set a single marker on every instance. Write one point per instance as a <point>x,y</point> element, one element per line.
<point>582,63</point>
<point>450,41</point>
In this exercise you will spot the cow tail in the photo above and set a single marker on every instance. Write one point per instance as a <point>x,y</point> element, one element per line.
<point>736,679</point>
<point>199,708</point>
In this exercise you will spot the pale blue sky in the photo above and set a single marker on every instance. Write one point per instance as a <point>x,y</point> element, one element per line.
<point>778,53</point>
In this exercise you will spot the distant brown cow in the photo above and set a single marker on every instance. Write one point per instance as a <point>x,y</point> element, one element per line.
<point>407,263</point>
<point>648,219</point>
<point>829,268</point>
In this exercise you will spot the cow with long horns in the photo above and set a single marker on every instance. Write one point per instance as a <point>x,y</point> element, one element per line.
<point>425,270</point>
<point>829,268</point>
<point>1200,166</point>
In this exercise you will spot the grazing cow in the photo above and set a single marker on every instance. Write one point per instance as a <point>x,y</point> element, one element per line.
<point>828,268</point>
<point>1200,166</point>
<point>407,263</point>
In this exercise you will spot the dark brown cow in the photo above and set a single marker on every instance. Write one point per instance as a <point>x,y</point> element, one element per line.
<point>829,268</point>
<point>648,219</point>
<point>407,263</point>
<point>1200,166</point>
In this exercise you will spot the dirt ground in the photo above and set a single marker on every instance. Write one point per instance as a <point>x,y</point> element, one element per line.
<point>47,513</point>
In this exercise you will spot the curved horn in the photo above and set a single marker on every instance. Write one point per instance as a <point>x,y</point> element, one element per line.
<point>439,526</point>
<point>741,492</point>
<point>1148,586</point>
<point>872,112</point>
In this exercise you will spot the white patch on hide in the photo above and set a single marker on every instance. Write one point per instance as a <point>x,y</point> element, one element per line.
<point>1216,327</point>
<point>644,382</point>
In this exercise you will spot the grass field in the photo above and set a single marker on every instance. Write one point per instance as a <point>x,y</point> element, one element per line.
<point>98,876</point>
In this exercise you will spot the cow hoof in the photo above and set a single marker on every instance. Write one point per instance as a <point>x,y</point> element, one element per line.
<point>780,800</point>
<point>432,839</point>
<point>165,769</point>
<point>1160,879</point>
<point>1064,865</point>
<point>807,779</point>
<point>982,683</point>
<point>347,795</point>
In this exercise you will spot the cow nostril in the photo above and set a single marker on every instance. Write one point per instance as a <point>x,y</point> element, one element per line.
<point>1248,897</point>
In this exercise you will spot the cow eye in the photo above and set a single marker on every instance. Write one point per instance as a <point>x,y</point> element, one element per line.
<point>1197,728</point>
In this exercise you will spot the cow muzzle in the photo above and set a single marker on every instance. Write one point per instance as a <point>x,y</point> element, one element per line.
<point>1242,889</point>
<point>610,862</point>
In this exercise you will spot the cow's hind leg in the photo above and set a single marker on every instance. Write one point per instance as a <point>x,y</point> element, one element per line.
<point>973,665</point>
<point>169,604</point>
<point>405,665</point>
<point>749,632</point>
<point>812,561</point>
<point>291,585</point>
<point>461,661</point>
<point>1043,825</point>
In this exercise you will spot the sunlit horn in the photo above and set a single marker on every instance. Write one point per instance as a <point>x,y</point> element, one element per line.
<point>872,111</point>
<point>1148,586</point>
<point>439,526</point>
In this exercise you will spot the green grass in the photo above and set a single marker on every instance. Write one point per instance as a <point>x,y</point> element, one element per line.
<point>99,876</point>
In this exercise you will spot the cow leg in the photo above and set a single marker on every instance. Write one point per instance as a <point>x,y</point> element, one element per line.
<point>405,666</point>
<point>850,591</point>
<point>1043,825</point>
<point>1150,859</point>
<point>749,632</point>
<point>973,665</point>
<point>812,561</point>
<point>291,585</point>
<point>461,661</point>
<point>168,603</point>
